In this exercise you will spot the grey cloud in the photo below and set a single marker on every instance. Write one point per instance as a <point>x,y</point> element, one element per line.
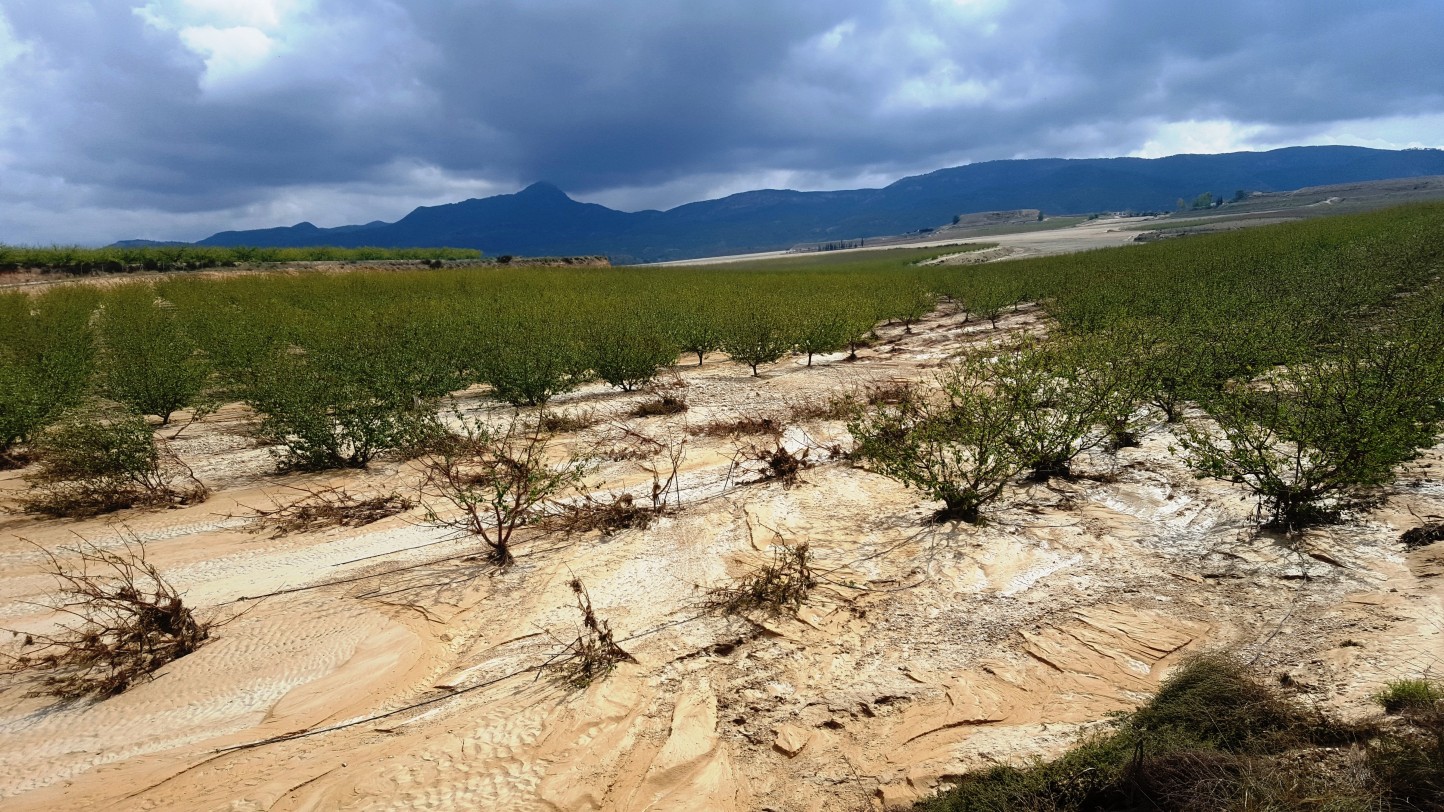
<point>627,95</point>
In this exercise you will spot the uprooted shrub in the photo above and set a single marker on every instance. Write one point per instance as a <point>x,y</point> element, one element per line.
<point>603,515</point>
<point>771,460</point>
<point>489,481</point>
<point>778,587</point>
<point>594,652</point>
<point>98,460</point>
<point>956,443</point>
<point>1312,437</point>
<point>131,622</point>
<point>320,508</point>
<point>1213,738</point>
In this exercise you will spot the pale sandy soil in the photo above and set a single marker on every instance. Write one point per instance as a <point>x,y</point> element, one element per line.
<point>1101,233</point>
<point>927,650</point>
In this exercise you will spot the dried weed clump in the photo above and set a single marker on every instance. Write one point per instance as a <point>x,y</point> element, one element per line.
<point>132,622</point>
<point>605,516</point>
<point>739,427</point>
<point>777,462</point>
<point>594,652</point>
<point>321,508</point>
<point>1423,536</point>
<point>776,588</point>
<point>669,391</point>
<point>562,422</point>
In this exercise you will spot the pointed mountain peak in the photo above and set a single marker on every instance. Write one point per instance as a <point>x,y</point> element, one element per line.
<point>542,189</point>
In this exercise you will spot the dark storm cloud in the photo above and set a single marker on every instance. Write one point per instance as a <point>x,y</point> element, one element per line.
<point>117,111</point>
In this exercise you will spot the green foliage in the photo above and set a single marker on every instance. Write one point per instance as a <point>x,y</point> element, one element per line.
<point>98,460</point>
<point>696,329</point>
<point>113,259</point>
<point>822,332</point>
<point>755,337</point>
<point>47,359</point>
<point>956,445</point>
<point>1310,433</point>
<point>527,364</point>
<point>627,351</point>
<point>148,362</point>
<point>1060,393</point>
<point>1410,695</point>
<point>340,399</point>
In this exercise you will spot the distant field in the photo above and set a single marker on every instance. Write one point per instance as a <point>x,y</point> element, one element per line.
<point>79,261</point>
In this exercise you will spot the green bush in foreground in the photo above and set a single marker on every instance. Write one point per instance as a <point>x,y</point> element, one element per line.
<point>1408,695</point>
<point>1216,738</point>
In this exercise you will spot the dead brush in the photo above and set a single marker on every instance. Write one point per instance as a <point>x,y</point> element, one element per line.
<point>594,652</point>
<point>1423,535</point>
<point>739,427</point>
<point>563,422</point>
<point>777,588</point>
<point>604,516</point>
<point>669,391</point>
<point>769,461</point>
<point>846,405</point>
<point>489,482</point>
<point>321,508</point>
<point>132,622</point>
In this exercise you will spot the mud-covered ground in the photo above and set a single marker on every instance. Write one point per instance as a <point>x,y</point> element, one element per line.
<point>399,673</point>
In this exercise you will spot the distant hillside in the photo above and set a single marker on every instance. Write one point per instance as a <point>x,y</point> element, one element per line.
<point>542,220</point>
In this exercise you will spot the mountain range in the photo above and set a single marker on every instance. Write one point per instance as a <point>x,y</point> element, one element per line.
<point>541,220</point>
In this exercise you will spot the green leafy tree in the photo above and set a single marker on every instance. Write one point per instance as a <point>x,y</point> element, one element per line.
<point>47,360</point>
<point>97,460</point>
<point>1063,393</point>
<point>1308,437</point>
<point>341,401</point>
<point>755,338</point>
<point>627,353</point>
<point>147,361</point>
<point>957,444</point>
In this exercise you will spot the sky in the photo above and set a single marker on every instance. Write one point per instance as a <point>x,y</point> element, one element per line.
<point>174,119</point>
